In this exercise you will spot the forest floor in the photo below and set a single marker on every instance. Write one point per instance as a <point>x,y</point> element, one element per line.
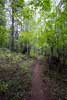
<point>15,76</point>
<point>37,84</point>
<point>25,78</point>
<point>37,93</point>
<point>44,87</point>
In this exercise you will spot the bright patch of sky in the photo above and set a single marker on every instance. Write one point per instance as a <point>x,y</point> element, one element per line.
<point>26,0</point>
<point>57,2</point>
<point>62,8</point>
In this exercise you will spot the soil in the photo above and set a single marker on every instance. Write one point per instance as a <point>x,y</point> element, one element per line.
<point>37,84</point>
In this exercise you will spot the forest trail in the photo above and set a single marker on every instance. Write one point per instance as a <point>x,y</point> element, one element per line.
<point>37,84</point>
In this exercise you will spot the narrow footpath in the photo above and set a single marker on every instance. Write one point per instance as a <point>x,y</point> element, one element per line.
<point>37,84</point>
<point>37,93</point>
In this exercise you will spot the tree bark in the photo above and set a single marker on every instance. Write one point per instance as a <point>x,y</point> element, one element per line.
<point>12,29</point>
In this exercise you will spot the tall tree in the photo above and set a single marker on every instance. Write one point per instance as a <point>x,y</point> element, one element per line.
<point>12,27</point>
<point>16,6</point>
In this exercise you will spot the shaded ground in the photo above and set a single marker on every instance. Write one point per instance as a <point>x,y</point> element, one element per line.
<point>37,84</point>
<point>37,93</point>
<point>15,76</point>
<point>44,87</point>
<point>57,87</point>
<point>19,75</point>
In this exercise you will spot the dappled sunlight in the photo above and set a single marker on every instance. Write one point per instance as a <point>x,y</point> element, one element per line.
<point>33,50</point>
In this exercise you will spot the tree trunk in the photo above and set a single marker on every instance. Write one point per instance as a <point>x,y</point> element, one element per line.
<point>12,29</point>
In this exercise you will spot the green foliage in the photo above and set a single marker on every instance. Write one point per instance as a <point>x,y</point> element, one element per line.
<point>44,4</point>
<point>27,13</point>
<point>15,75</point>
<point>43,24</point>
<point>17,4</point>
<point>3,86</point>
<point>2,13</point>
<point>4,37</point>
<point>26,37</point>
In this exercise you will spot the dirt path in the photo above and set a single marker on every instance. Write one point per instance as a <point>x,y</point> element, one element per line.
<point>37,93</point>
<point>37,84</point>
